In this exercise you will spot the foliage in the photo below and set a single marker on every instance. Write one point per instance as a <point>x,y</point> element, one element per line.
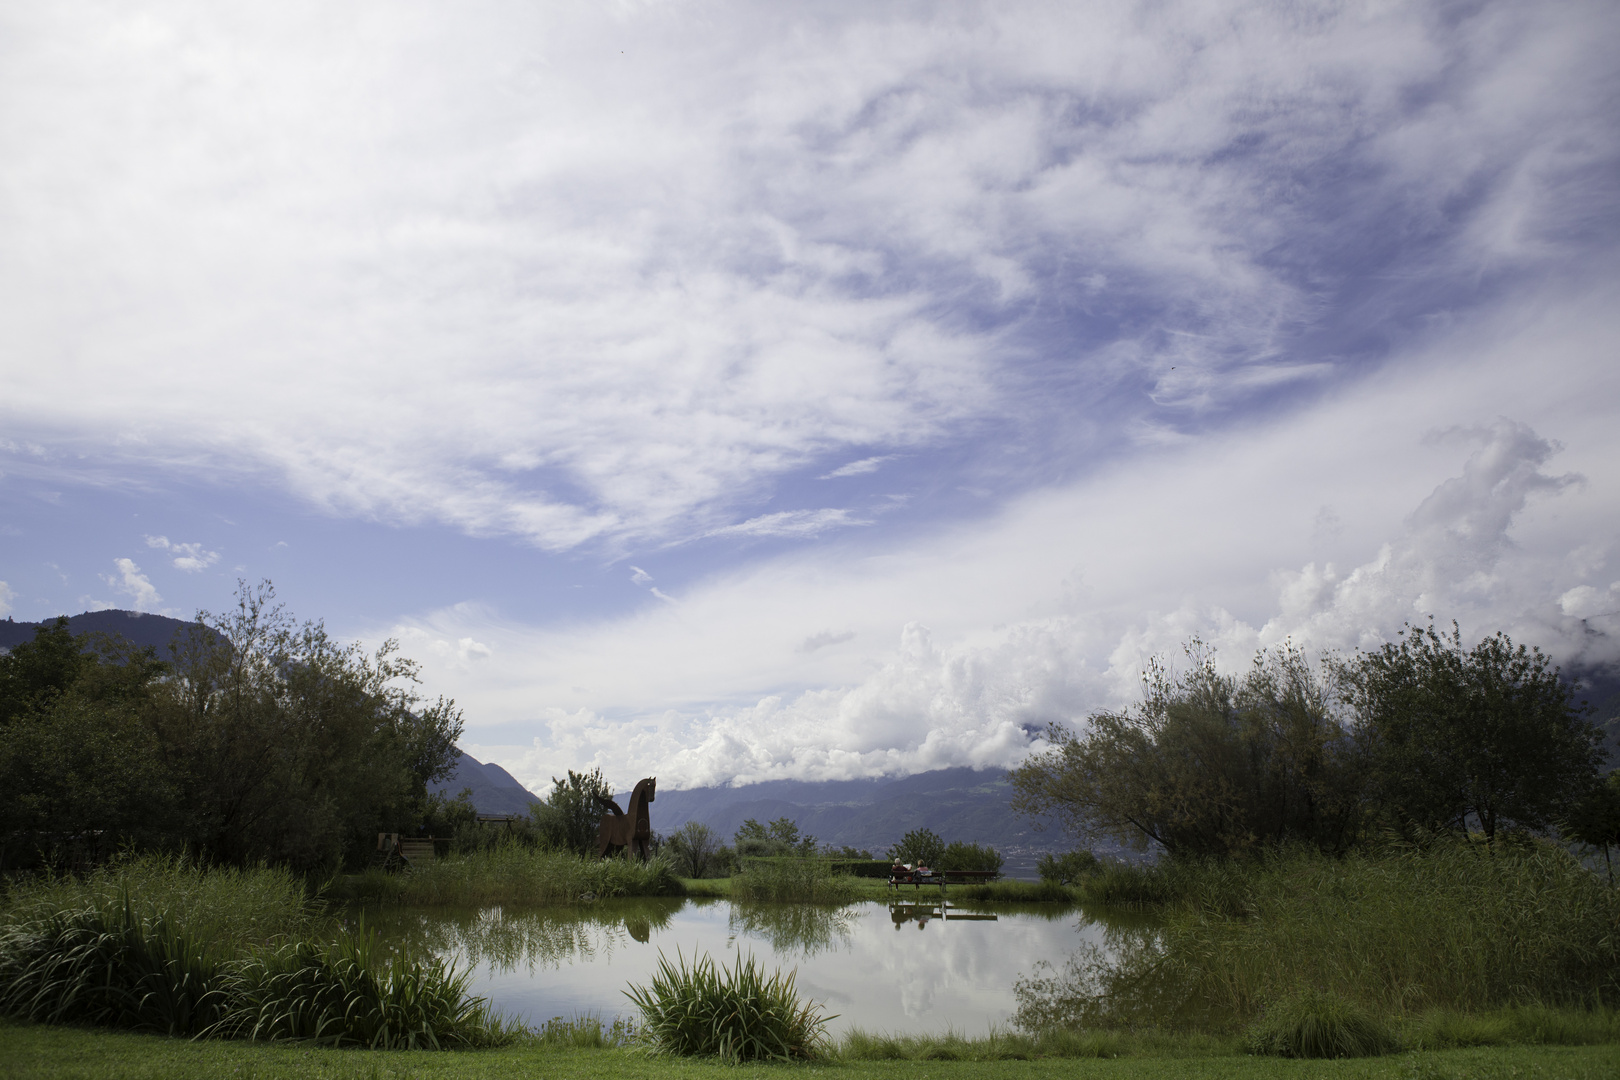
<point>919,847</point>
<point>693,849</point>
<point>572,812</point>
<point>232,907</point>
<point>1521,1025</point>
<point>737,1013</point>
<point>807,881</point>
<point>342,994</point>
<point>122,969</point>
<point>1595,819</point>
<point>516,873</point>
<point>258,739</point>
<point>1450,924</point>
<point>963,856</point>
<point>1018,892</point>
<point>1319,1024</point>
<point>1207,764</point>
<point>1490,734</point>
<point>1067,868</point>
<point>780,837</point>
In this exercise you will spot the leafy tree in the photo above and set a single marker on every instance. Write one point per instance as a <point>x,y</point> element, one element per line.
<point>1067,868</point>
<point>1208,764</point>
<point>1595,819</point>
<point>919,847</point>
<point>572,813</point>
<point>780,837</point>
<point>694,848</point>
<point>963,856</point>
<point>1490,734</point>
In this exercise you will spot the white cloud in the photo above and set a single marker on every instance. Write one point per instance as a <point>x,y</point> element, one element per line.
<point>640,576</point>
<point>824,639</point>
<point>790,523</point>
<point>857,468</point>
<point>665,597</point>
<point>133,583</point>
<point>7,595</point>
<point>190,557</point>
<point>980,632</point>
<point>483,268</point>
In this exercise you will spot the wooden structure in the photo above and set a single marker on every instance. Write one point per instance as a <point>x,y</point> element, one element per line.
<point>920,876</point>
<point>396,850</point>
<point>633,830</point>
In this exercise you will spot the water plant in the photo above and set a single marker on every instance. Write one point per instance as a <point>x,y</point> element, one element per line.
<point>515,873</point>
<point>738,1013</point>
<point>1313,1023</point>
<point>804,881</point>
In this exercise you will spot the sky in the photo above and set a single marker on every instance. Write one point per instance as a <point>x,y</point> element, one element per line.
<point>731,392</point>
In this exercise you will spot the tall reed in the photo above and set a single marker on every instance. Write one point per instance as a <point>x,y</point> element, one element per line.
<point>516,874</point>
<point>803,881</point>
<point>1452,925</point>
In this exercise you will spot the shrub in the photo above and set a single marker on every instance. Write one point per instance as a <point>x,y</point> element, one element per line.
<point>1318,1024</point>
<point>738,1014</point>
<point>919,846</point>
<point>962,856</point>
<point>1067,868</point>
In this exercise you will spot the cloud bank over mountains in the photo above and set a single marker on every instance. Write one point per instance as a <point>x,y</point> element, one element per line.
<point>737,391</point>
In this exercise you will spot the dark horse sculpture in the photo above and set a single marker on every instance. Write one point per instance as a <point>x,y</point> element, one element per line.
<point>633,830</point>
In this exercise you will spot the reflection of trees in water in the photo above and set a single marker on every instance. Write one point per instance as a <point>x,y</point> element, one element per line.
<point>803,928</point>
<point>1129,979</point>
<point>508,938</point>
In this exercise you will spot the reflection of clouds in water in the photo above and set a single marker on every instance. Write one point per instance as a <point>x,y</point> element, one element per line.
<point>955,973</point>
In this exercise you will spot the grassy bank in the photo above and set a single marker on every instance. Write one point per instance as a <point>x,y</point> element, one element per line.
<point>510,874</point>
<point>1401,933</point>
<point>58,1053</point>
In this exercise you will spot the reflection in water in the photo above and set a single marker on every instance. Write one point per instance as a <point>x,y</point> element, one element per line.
<point>798,930</point>
<point>953,967</point>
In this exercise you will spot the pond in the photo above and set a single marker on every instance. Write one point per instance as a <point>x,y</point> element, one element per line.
<point>914,966</point>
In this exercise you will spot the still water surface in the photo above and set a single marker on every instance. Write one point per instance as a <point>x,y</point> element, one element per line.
<point>915,966</point>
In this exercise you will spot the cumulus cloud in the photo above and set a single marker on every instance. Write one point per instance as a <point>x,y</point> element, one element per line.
<point>189,557</point>
<point>586,274</point>
<point>133,583</point>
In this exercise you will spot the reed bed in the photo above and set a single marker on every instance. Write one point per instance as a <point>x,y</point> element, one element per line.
<point>230,906</point>
<point>802,881</point>
<point>1014,892</point>
<point>1398,933</point>
<point>514,874</point>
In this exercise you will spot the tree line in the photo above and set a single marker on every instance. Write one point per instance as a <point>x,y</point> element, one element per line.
<point>1421,736</point>
<point>258,739</point>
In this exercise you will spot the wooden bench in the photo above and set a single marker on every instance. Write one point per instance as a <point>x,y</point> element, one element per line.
<point>407,849</point>
<point>941,878</point>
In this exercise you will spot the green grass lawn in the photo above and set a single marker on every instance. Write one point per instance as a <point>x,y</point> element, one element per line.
<point>37,1051</point>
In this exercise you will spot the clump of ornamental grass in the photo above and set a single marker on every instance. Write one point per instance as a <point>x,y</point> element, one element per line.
<point>111,969</point>
<point>1319,1024</point>
<point>801,881</point>
<point>117,966</point>
<point>737,1013</point>
<point>346,994</point>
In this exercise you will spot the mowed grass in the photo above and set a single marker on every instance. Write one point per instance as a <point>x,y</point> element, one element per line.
<point>60,1053</point>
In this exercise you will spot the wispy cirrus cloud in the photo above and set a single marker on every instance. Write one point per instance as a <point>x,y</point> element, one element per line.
<point>790,523</point>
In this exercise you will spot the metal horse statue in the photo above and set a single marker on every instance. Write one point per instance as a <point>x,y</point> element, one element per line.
<point>632,830</point>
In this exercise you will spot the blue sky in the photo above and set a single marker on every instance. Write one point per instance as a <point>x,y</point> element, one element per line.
<point>739,391</point>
